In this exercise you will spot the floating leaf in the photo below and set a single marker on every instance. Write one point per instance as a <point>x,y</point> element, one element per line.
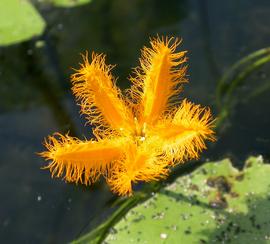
<point>216,203</point>
<point>19,21</point>
<point>69,3</point>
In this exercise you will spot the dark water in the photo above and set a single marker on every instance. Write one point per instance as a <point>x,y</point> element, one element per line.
<point>35,98</point>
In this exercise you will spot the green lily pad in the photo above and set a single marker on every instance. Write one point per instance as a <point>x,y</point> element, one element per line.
<point>69,3</point>
<point>214,204</point>
<point>19,21</point>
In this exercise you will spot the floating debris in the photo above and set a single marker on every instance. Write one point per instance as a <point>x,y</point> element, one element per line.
<point>219,202</point>
<point>163,236</point>
<point>219,182</point>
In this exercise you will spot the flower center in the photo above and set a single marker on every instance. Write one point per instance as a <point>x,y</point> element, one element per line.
<point>140,131</point>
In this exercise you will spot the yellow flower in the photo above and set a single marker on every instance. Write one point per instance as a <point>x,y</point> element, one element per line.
<point>138,138</point>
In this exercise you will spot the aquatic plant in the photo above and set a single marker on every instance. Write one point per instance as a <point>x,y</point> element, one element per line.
<point>138,137</point>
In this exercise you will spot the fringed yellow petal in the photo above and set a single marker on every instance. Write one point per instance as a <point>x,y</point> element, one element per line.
<point>80,161</point>
<point>184,134</point>
<point>138,140</point>
<point>158,79</point>
<point>100,99</point>
<point>140,164</point>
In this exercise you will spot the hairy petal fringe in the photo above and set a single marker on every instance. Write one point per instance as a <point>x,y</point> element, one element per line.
<point>80,161</point>
<point>140,164</point>
<point>101,101</point>
<point>183,134</point>
<point>158,79</point>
